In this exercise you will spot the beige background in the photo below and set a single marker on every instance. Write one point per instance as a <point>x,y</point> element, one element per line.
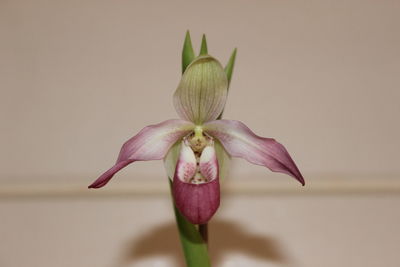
<point>78,78</point>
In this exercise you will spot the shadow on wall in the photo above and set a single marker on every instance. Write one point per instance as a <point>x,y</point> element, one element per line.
<point>225,237</point>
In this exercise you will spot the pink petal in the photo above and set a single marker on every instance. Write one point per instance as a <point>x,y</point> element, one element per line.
<point>151,143</point>
<point>240,141</point>
<point>197,202</point>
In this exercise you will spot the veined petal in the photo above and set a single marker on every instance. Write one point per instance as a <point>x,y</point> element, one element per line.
<point>240,141</point>
<point>196,201</point>
<point>202,91</point>
<point>151,143</point>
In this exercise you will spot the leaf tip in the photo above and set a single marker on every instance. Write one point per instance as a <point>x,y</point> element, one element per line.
<point>187,51</point>
<point>230,65</point>
<point>203,48</point>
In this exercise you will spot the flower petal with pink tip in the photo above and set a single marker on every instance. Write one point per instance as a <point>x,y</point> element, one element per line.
<point>186,165</point>
<point>240,141</point>
<point>151,143</point>
<point>196,201</point>
<point>208,163</point>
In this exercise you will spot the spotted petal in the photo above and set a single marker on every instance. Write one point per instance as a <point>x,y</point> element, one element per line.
<point>187,164</point>
<point>208,164</point>
<point>196,201</point>
<point>240,141</point>
<point>202,91</point>
<point>151,143</point>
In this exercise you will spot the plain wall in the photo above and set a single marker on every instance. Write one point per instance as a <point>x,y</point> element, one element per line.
<point>78,78</point>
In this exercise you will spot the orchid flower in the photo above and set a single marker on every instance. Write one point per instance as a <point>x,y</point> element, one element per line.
<point>199,100</point>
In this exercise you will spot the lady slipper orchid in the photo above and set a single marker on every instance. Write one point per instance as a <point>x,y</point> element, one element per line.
<point>199,100</point>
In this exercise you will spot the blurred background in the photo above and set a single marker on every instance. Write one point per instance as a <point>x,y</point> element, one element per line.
<point>78,78</point>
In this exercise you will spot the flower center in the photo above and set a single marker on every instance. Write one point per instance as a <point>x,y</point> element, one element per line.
<point>197,142</point>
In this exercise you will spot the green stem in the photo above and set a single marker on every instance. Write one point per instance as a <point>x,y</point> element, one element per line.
<point>203,230</point>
